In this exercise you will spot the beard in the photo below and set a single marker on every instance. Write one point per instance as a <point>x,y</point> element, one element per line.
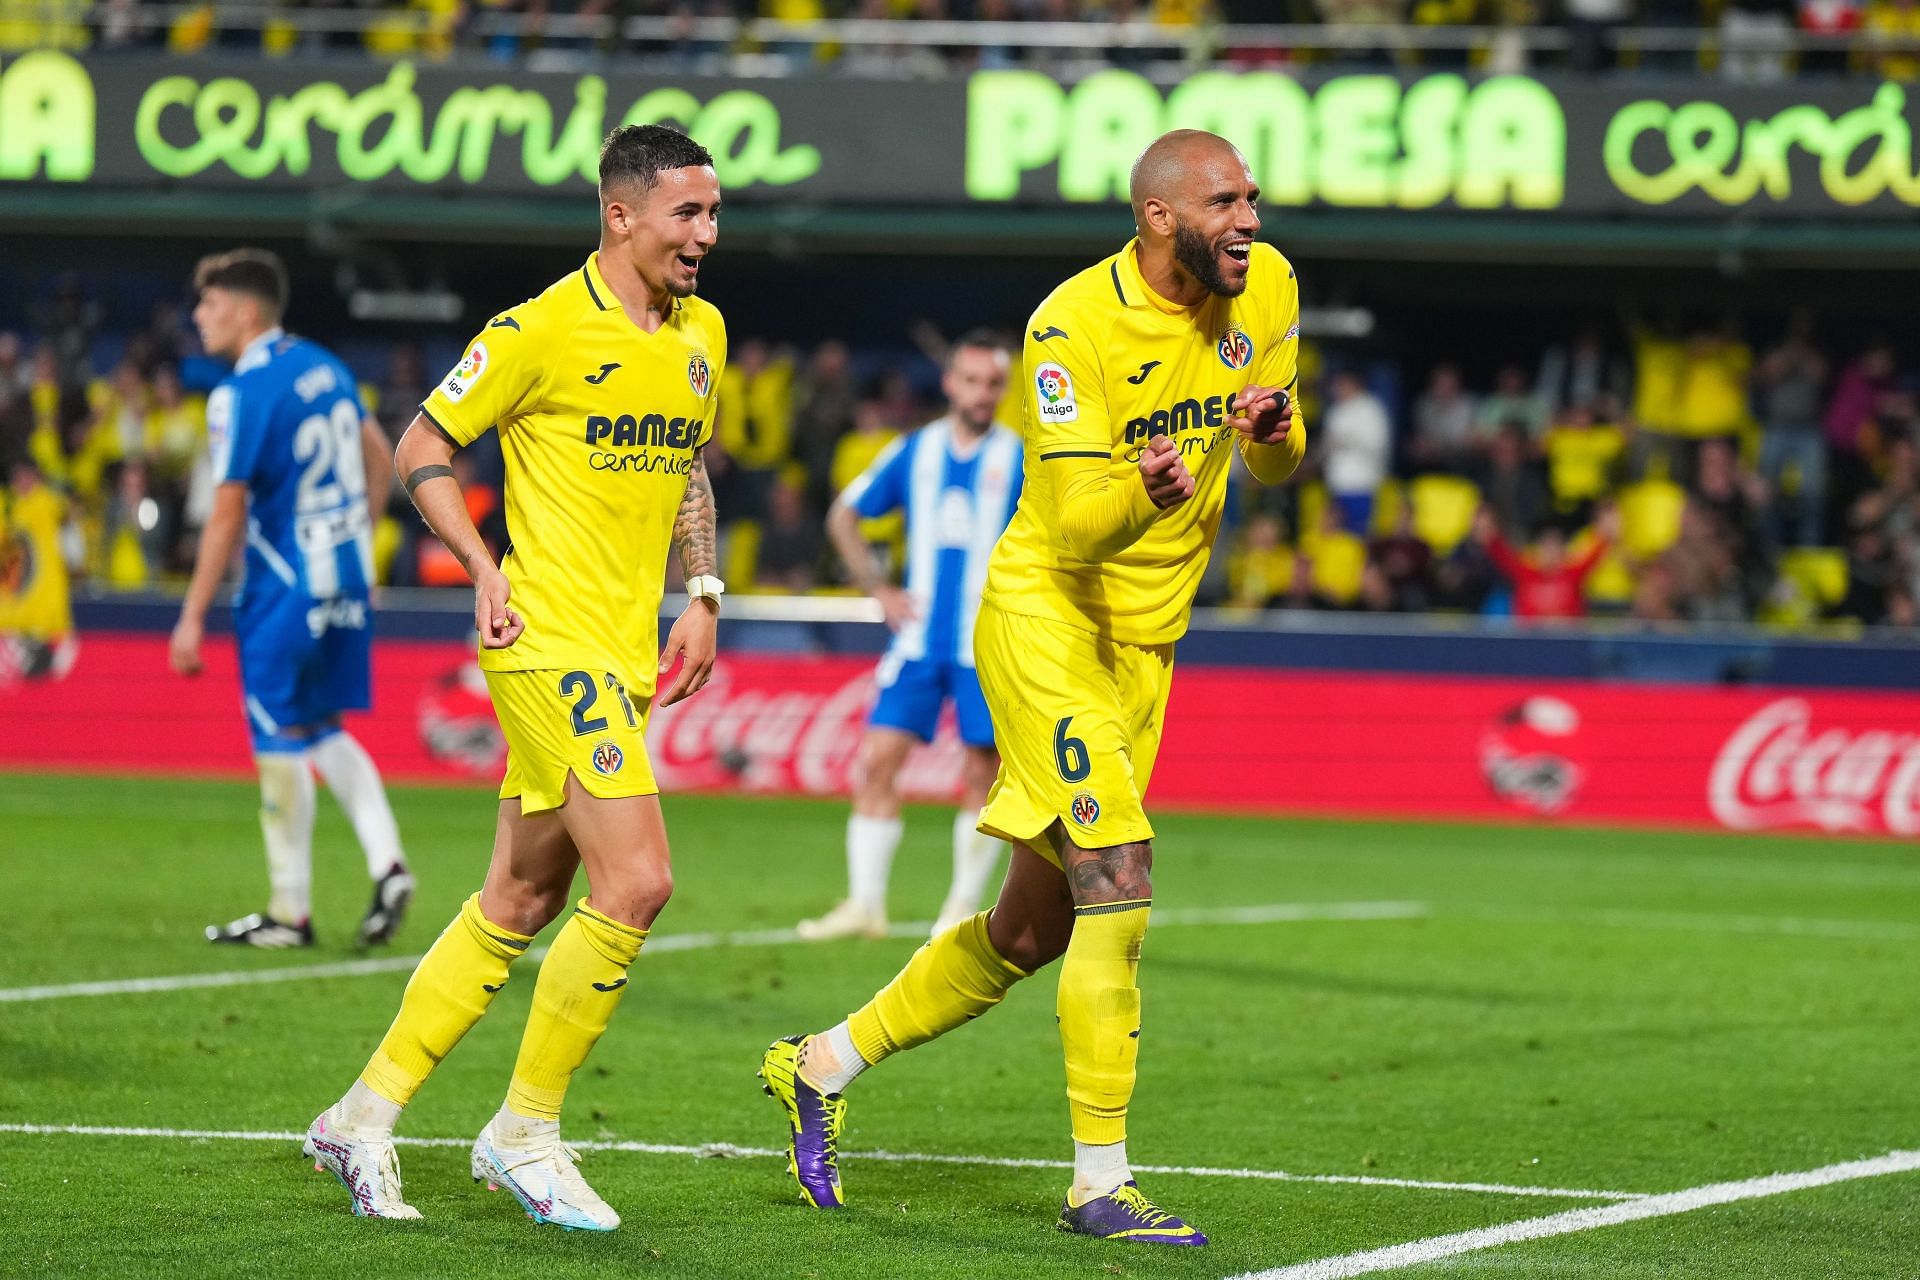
<point>1191,250</point>
<point>677,290</point>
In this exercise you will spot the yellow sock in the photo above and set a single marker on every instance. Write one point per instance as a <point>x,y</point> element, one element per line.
<point>1099,1008</point>
<point>955,977</point>
<point>453,985</point>
<point>581,982</point>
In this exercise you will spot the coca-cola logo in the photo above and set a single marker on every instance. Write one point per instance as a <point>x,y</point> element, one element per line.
<point>747,734</point>
<point>1776,771</point>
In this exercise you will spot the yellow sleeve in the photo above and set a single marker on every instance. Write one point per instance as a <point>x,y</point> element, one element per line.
<point>1065,400</point>
<point>1280,367</point>
<point>1099,516</point>
<point>497,378</point>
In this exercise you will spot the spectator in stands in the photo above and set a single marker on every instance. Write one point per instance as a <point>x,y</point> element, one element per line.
<point>791,543</point>
<point>1381,15</point>
<point>1400,568</point>
<point>68,326</point>
<point>1755,36</point>
<point>404,387</point>
<point>1892,20</point>
<point>1736,499</point>
<point>1830,18</point>
<point>1512,400</point>
<point>16,405</point>
<point>1332,568</point>
<point>1850,426</point>
<point>1701,569</point>
<point>1548,584</point>
<point>1357,439</point>
<point>1261,571</point>
<point>1512,486</point>
<point>1787,384</point>
<point>1583,462</point>
<point>1873,570</point>
<point>1592,26</point>
<point>1444,436</point>
<point>756,422</point>
<point>1583,373</point>
<point>825,404</point>
<point>1687,390</point>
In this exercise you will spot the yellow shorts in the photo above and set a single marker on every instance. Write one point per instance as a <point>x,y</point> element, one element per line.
<point>578,722</point>
<point>1077,717</point>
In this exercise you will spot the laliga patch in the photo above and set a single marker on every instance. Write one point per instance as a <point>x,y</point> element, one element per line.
<point>607,759</point>
<point>699,375</point>
<point>467,372</point>
<point>1086,810</point>
<point>1055,391</point>
<point>1235,348</point>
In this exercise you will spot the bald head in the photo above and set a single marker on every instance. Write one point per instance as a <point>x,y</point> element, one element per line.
<point>1194,208</point>
<point>1173,161</point>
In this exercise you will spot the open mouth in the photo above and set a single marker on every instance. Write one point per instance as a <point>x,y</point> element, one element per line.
<point>691,264</point>
<point>1238,250</point>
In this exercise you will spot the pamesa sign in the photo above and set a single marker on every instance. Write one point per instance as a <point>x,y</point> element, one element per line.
<point>996,138</point>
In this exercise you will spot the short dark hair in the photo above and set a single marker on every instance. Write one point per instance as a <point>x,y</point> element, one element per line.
<point>981,339</point>
<point>251,271</point>
<point>641,152</point>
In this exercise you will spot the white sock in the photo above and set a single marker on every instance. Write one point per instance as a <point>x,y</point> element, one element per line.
<point>830,1060</point>
<point>974,858</point>
<point>362,1111</point>
<point>1098,1169</point>
<point>355,782</point>
<point>512,1129</point>
<point>286,822</point>
<point>870,846</point>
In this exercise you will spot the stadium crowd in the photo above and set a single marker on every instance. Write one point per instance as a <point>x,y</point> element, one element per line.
<point>1749,40</point>
<point>1671,473</point>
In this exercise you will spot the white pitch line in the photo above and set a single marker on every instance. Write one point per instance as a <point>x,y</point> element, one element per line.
<point>727,1149</point>
<point>1271,913</point>
<point>1415,1252</point>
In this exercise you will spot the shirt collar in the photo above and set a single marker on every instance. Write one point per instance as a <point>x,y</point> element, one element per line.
<point>1133,287</point>
<point>603,296</point>
<point>255,352</point>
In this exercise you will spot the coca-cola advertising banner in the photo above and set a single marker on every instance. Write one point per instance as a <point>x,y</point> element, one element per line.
<point>1237,740</point>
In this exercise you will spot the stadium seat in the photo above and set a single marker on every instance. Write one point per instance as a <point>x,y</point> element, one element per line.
<point>1313,506</point>
<point>1650,517</point>
<point>1339,565</point>
<point>1443,510</point>
<point>742,551</point>
<point>1818,574</point>
<point>1388,500</point>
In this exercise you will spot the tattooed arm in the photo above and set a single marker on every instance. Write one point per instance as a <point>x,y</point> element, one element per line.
<point>694,637</point>
<point>693,528</point>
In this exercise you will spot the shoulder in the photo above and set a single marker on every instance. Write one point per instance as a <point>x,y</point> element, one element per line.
<point>1091,296</point>
<point>1273,276</point>
<point>704,325</point>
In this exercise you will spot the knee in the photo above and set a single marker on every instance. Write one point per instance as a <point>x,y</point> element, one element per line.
<point>636,897</point>
<point>1028,945</point>
<point>522,907</point>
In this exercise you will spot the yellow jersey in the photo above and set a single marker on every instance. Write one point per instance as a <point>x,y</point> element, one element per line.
<point>1108,365</point>
<point>599,424</point>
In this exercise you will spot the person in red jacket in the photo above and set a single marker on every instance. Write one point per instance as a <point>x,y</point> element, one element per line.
<point>1547,584</point>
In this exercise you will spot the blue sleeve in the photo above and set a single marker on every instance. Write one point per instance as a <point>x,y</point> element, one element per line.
<point>882,487</point>
<point>237,421</point>
<point>1019,482</point>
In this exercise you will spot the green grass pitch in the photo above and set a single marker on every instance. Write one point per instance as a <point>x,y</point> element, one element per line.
<point>1574,1009</point>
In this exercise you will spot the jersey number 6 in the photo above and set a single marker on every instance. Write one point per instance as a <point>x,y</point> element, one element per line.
<point>1070,754</point>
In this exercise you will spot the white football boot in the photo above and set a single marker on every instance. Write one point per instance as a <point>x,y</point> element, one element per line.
<point>543,1179</point>
<point>368,1167</point>
<point>849,919</point>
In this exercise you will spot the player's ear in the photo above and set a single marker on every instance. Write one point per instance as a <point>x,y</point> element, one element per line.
<point>1157,216</point>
